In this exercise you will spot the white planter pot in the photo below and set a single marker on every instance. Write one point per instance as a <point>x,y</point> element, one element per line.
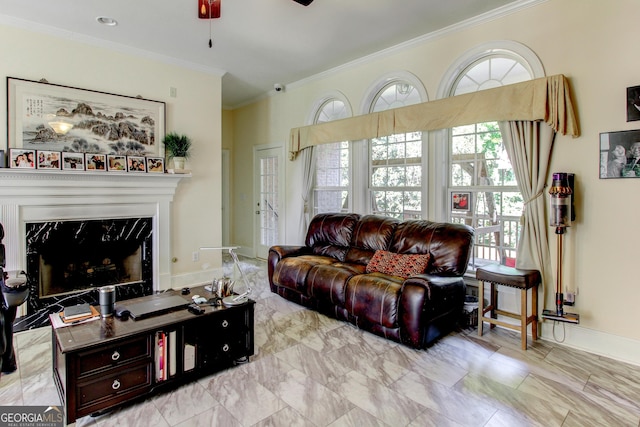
<point>178,162</point>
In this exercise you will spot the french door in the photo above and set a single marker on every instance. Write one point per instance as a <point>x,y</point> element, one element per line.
<point>268,203</point>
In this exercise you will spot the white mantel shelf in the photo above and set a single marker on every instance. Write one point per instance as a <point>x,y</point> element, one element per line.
<point>24,183</point>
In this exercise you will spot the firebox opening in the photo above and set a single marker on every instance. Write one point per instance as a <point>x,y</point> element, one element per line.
<point>90,270</point>
<point>65,257</point>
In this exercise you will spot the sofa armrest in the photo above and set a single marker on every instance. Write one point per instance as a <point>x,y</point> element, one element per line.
<point>276,253</point>
<point>425,297</point>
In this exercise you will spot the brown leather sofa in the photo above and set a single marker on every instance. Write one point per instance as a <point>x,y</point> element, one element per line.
<point>332,273</point>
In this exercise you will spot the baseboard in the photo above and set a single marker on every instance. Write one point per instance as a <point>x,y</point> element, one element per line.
<point>195,278</point>
<point>592,341</point>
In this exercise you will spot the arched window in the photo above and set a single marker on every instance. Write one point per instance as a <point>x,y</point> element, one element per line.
<point>396,167</point>
<point>482,190</point>
<point>332,173</point>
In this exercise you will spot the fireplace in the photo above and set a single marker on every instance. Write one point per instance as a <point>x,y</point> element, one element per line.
<point>124,214</point>
<point>65,257</point>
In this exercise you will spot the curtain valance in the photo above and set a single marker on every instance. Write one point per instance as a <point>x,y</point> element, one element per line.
<point>547,99</point>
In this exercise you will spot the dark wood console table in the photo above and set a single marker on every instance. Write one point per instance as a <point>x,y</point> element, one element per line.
<point>105,363</point>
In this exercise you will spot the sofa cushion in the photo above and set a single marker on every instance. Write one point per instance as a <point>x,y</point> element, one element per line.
<point>449,245</point>
<point>329,234</point>
<point>374,298</point>
<point>401,265</point>
<point>327,283</point>
<point>292,272</point>
<point>372,233</point>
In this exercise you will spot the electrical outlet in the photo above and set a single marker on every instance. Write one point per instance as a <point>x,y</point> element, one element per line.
<point>195,256</point>
<point>570,298</point>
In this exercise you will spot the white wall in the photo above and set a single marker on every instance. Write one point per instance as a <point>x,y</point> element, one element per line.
<point>196,112</point>
<point>591,42</point>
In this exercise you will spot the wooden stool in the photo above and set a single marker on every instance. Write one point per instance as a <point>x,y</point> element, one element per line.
<point>515,278</point>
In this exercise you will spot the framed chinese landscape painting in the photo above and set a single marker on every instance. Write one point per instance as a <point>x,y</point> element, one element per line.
<point>44,116</point>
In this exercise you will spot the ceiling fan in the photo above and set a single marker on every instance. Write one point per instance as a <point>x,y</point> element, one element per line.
<point>210,9</point>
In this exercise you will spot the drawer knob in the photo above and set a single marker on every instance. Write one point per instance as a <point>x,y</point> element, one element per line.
<point>225,347</point>
<point>115,385</point>
<point>115,356</point>
<point>225,323</point>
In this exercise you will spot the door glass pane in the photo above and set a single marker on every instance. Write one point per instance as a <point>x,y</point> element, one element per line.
<point>269,201</point>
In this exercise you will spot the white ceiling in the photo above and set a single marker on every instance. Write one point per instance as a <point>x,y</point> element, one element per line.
<point>256,43</point>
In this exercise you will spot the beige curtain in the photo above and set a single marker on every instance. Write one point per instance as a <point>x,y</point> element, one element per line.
<point>529,146</point>
<point>547,99</point>
<point>308,171</point>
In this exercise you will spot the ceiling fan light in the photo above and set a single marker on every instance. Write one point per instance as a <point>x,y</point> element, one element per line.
<point>209,9</point>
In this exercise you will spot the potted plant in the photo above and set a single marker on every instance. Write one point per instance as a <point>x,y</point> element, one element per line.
<point>178,148</point>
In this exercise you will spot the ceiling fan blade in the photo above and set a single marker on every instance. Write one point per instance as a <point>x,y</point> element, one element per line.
<point>304,2</point>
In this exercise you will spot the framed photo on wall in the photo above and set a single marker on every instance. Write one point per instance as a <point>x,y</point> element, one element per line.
<point>47,116</point>
<point>22,159</point>
<point>48,159</point>
<point>633,103</point>
<point>620,154</point>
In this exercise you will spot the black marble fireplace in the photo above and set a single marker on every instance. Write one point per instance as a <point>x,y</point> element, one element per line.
<point>67,261</point>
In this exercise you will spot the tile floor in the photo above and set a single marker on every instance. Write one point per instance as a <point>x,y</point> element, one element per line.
<point>310,370</point>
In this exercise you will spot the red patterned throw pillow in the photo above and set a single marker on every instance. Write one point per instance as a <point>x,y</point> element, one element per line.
<point>398,264</point>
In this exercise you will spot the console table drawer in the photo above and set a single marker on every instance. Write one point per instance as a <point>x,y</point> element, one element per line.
<point>106,387</point>
<point>222,350</point>
<point>229,323</point>
<point>115,355</point>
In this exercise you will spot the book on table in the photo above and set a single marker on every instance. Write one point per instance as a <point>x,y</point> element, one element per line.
<point>78,312</point>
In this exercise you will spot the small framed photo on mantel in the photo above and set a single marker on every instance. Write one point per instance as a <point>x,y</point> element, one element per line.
<point>155,164</point>
<point>48,160</point>
<point>116,163</point>
<point>22,159</point>
<point>96,162</point>
<point>136,164</point>
<point>72,161</point>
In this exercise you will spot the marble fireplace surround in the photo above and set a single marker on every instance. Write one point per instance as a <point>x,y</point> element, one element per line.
<point>35,195</point>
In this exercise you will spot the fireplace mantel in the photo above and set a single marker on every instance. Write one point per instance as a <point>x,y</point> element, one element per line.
<point>21,183</point>
<point>38,195</point>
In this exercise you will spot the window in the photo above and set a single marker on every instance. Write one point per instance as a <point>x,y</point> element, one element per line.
<point>332,176</point>
<point>395,161</point>
<point>331,192</point>
<point>482,190</point>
